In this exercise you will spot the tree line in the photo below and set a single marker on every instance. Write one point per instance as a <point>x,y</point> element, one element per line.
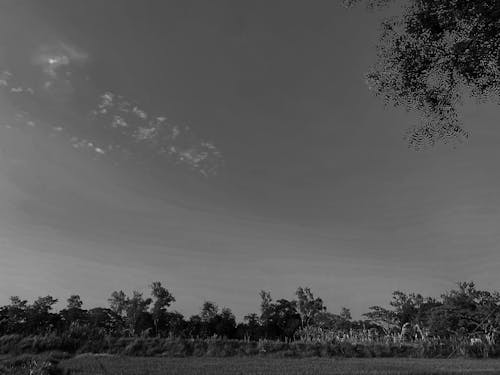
<point>464,310</point>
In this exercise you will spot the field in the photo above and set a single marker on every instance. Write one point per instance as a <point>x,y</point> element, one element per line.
<point>115,365</point>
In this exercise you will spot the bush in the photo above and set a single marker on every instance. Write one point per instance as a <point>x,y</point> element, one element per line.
<point>181,347</point>
<point>46,364</point>
<point>9,343</point>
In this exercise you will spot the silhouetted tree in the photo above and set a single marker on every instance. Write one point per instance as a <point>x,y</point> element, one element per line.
<point>74,302</point>
<point>106,319</point>
<point>194,326</point>
<point>162,300</point>
<point>462,312</point>
<point>308,306</point>
<point>118,302</point>
<point>209,311</point>
<point>174,324</point>
<point>251,328</point>
<point>465,310</point>
<point>14,316</point>
<point>328,320</point>
<point>73,313</point>
<point>133,310</point>
<point>40,317</point>
<point>136,311</point>
<point>287,318</point>
<point>385,318</point>
<point>224,324</point>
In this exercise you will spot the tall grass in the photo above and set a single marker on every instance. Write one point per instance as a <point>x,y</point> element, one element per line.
<point>46,364</point>
<point>216,347</point>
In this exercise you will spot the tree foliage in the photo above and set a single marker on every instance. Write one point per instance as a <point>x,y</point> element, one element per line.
<point>461,312</point>
<point>162,300</point>
<point>308,306</point>
<point>432,56</point>
<point>74,302</point>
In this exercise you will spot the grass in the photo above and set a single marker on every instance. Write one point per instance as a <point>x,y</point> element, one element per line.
<point>33,364</point>
<point>151,347</point>
<point>88,364</point>
<point>58,355</point>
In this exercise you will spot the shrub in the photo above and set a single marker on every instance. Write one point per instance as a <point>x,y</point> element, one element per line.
<point>182,347</point>
<point>9,343</point>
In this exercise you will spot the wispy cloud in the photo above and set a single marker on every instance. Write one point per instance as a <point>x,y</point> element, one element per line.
<point>131,131</point>
<point>164,138</point>
<point>52,57</point>
<point>56,62</point>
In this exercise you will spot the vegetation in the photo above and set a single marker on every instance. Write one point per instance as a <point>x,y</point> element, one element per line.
<point>45,364</point>
<point>462,322</point>
<point>90,365</point>
<point>432,55</point>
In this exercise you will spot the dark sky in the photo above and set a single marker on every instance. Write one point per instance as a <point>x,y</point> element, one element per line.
<point>222,148</point>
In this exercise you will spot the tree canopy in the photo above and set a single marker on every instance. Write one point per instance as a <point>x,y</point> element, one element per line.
<point>433,55</point>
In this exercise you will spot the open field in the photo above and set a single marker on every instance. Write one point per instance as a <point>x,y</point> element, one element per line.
<point>95,365</point>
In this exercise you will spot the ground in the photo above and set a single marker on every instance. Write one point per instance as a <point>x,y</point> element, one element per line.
<point>102,364</point>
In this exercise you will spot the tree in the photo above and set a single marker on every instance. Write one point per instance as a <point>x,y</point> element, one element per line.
<point>331,321</point>
<point>39,316</point>
<point>278,319</point>
<point>162,299</point>
<point>209,311</point>
<point>286,318</point>
<point>308,306</point>
<point>345,314</point>
<point>74,302</point>
<point>17,303</point>
<point>73,313</point>
<point>410,308</point>
<point>225,324</point>
<point>206,323</point>
<point>14,316</point>
<point>265,305</point>
<point>466,310</point>
<point>432,56</point>
<point>208,318</point>
<point>194,326</point>
<point>174,323</point>
<point>383,317</point>
<point>266,315</point>
<point>107,320</point>
<point>132,309</point>
<point>251,328</point>
<point>44,304</point>
<point>136,309</point>
<point>118,302</point>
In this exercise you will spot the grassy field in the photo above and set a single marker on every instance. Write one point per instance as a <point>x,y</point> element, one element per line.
<point>114,365</point>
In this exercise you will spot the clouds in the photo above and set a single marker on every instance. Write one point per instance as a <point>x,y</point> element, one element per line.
<point>55,63</point>
<point>51,58</point>
<point>100,122</point>
<point>163,138</point>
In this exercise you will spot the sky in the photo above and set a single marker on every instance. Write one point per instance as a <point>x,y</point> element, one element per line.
<point>224,148</point>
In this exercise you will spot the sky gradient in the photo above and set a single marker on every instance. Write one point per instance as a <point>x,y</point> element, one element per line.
<point>222,148</point>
